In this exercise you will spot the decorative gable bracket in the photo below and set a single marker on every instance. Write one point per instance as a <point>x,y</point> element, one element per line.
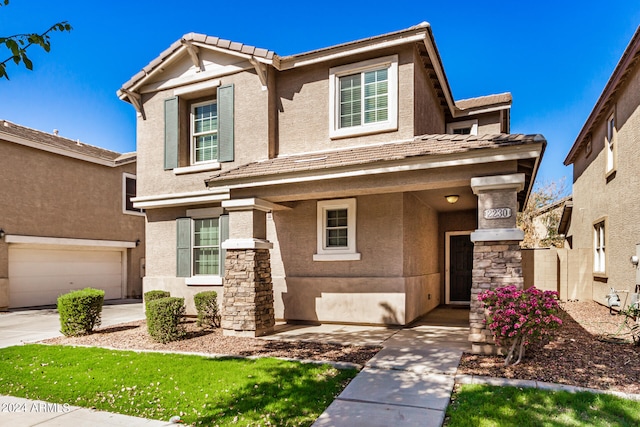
<point>194,54</point>
<point>136,101</point>
<point>261,70</point>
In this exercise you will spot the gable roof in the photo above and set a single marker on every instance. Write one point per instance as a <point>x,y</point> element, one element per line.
<point>53,143</point>
<point>420,34</point>
<point>627,63</point>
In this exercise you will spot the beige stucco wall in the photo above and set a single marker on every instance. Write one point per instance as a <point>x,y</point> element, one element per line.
<point>429,115</point>
<point>49,195</point>
<point>420,257</point>
<point>161,257</point>
<point>396,280</point>
<point>303,96</point>
<point>251,141</point>
<point>615,199</point>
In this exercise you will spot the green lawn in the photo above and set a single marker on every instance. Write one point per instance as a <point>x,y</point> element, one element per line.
<point>487,406</point>
<point>203,391</point>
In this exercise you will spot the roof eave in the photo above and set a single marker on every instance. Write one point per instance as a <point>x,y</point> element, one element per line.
<point>627,60</point>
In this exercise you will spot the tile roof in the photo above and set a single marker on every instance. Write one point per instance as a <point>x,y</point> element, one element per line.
<point>426,145</point>
<point>199,38</point>
<point>484,101</point>
<point>58,142</point>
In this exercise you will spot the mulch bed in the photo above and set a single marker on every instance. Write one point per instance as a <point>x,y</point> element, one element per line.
<point>581,354</point>
<point>134,336</point>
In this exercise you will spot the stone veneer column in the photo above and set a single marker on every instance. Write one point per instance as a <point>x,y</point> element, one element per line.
<point>497,259</point>
<point>247,303</point>
<point>248,293</point>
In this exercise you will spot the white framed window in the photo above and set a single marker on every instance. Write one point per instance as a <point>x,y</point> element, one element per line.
<point>599,252</point>
<point>204,132</point>
<point>610,144</point>
<point>200,256</point>
<point>129,191</point>
<point>467,127</point>
<point>363,97</point>
<point>336,231</point>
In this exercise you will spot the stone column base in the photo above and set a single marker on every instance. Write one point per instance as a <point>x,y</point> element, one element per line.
<point>495,264</point>
<point>247,304</point>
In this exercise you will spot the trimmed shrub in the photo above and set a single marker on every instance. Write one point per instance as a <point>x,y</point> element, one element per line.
<point>164,319</point>
<point>80,311</point>
<point>207,306</point>
<point>153,295</point>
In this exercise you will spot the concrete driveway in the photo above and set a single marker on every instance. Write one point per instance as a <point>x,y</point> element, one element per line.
<point>19,326</point>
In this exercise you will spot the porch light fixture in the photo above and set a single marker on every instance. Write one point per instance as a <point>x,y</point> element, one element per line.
<point>1,233</point>
<point>452,198</point>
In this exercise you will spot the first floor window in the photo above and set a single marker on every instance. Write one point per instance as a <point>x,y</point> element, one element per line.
<point>206,247</point>
<point>204,128</point>
<point>336,223</point>
<point>200,255</point>
<point>599,256</point>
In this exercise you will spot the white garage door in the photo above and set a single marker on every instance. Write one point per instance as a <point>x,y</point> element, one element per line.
<point>39,276</point>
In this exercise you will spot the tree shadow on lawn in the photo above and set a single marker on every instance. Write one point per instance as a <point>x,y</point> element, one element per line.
<point>511,406</point>
<point>574,357</point>
<point>287,394</point>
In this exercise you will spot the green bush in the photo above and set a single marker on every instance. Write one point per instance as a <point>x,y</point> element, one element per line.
<point>164,319</point>
<point>207,306</point>
<point>153,295</point>
<point>80,311</point>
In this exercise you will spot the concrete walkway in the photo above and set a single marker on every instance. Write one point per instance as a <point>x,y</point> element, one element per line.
<point>409,382</point>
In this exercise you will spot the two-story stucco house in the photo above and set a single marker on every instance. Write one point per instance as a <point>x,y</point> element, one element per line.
<point>66,219</point>
<point>337,185</point>
<point>602,224</point>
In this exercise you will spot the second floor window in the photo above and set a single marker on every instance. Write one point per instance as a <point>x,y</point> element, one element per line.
<point>204,128</point>
<point>610,143</point>
<point>364,98</point>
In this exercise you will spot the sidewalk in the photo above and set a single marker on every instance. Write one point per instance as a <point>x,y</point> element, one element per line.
<point>408,383</point>
<point>15,411</point>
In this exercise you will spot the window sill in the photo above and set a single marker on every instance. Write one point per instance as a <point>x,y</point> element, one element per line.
<point>354,256</point>
<point>362,130</point>
<point>205,167</point>
<point>600,275</point>
<point>203,281</point>
<point>134,213</point>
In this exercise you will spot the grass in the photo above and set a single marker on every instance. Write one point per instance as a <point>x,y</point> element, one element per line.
<point>201,390</point>
<point>489,406</point>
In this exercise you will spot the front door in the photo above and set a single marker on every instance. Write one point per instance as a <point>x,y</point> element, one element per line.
<point>460,267</point>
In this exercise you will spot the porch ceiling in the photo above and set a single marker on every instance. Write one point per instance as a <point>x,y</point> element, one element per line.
<point>436,199</point>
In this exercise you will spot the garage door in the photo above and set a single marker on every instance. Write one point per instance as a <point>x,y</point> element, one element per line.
<point>39,276</point>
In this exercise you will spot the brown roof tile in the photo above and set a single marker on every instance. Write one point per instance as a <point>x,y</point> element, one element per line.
<point>59,142</point>
<point>422,146</point>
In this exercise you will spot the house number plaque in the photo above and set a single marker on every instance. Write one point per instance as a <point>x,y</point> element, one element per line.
<point>497,213</point>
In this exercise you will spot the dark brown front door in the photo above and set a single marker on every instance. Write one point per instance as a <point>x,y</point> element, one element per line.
<point>460,266</point>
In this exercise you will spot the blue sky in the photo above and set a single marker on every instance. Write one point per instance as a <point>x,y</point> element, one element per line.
<point>554,57</point>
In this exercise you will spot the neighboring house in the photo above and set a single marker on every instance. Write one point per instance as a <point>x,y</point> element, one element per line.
<point>603,224</point>
<point>346,179</point>
<point>66,219</point>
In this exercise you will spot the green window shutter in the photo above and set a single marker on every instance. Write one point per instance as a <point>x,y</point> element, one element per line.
<point>183,246</point>
<point>224,235</point>
<point>171,133</point>
<point>225,123</point>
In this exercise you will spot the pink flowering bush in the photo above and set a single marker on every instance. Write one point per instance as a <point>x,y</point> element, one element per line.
<point>518,318</point>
